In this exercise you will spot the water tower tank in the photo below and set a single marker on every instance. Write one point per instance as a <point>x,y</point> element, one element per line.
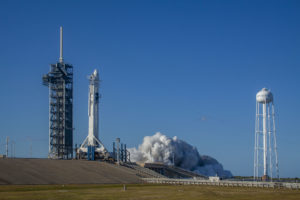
<point>264,96</point>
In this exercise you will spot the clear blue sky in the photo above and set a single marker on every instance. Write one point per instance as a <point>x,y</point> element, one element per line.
<point>164,65</point>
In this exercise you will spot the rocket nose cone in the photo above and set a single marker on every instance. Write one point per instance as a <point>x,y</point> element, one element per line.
<point>95,72</point>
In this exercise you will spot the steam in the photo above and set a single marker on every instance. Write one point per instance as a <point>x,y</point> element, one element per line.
<point>160,148</point>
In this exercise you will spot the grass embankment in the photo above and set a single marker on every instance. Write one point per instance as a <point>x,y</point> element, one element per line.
<point>147,191</point>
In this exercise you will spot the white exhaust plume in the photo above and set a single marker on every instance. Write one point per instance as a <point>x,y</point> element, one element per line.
<point>160,148</point>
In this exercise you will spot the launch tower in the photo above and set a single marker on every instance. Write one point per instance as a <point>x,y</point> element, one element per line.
<point>59,80</point>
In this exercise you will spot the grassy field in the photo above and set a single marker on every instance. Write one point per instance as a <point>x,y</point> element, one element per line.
<point>74,192</point>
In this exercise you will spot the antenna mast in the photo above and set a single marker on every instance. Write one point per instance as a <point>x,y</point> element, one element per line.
<point>61,60</point>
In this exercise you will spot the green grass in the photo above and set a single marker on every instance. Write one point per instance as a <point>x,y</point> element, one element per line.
<point>147,191</point>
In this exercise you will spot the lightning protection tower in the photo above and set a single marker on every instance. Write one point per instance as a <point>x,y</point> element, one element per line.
<point>265,149</point>
<point>60,83</point>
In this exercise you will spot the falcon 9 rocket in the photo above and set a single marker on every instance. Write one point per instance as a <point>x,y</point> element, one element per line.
<point>92,148</point>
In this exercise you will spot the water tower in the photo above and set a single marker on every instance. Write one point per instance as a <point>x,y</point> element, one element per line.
<point>265,149</point>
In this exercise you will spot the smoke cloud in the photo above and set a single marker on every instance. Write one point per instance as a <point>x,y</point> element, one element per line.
<point>160,148</point>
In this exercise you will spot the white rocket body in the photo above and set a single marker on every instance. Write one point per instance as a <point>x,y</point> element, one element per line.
<point>93,112</point>
<point>93,109</point>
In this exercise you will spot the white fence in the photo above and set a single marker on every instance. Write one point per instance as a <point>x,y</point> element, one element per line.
<point>223,183</point>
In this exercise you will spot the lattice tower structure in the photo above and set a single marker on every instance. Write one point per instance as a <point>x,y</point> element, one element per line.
<point>60,83</point>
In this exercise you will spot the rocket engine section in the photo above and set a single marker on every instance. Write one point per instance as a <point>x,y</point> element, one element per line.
<point>92,148</point>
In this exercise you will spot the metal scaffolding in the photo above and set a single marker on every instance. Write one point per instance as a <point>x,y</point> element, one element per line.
<point>60,83</point>
<point>120,154</point>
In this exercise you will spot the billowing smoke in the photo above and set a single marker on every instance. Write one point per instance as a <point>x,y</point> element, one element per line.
<point>160,148</point>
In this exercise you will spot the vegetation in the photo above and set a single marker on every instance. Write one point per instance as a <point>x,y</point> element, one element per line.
<point>142,191</point>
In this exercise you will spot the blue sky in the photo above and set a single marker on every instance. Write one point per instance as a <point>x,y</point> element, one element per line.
<point>165,66</point>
